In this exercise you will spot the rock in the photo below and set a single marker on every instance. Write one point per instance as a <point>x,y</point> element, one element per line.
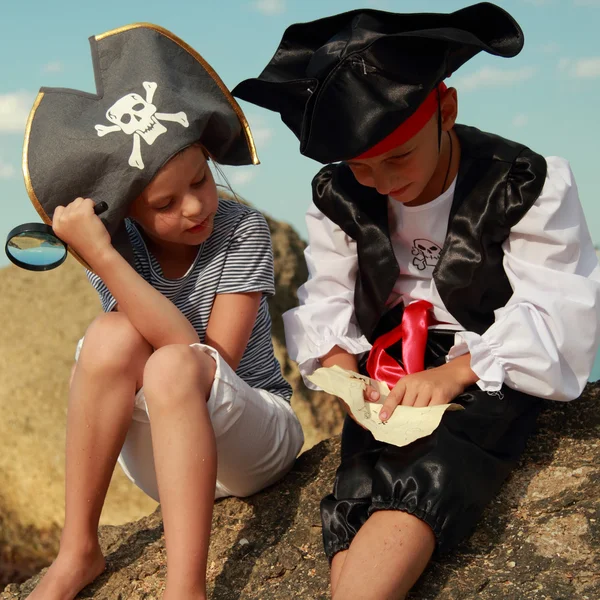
<point>320,415</point>
<point>537,541</point>
<point>43,316</point>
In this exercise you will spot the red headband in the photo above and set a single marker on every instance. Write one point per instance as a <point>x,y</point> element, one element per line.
<point>408,128</point>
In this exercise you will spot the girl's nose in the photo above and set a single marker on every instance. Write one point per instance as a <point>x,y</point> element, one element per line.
<point>192,206</point>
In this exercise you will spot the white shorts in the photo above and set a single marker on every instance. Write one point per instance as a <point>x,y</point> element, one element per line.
<point>257,433</point>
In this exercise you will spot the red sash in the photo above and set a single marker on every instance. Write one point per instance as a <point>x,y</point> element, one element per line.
<point>416,319</point>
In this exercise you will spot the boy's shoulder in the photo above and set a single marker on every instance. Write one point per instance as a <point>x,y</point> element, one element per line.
<point>483,146</point>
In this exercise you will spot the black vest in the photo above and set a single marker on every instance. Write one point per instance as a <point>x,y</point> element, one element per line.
<point>498,182</point>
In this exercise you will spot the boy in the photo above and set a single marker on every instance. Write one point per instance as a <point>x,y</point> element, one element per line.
<point>474,244</point>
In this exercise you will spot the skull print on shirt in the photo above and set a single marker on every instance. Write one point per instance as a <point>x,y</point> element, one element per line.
<point>426,254</point>
<point>135,116</point>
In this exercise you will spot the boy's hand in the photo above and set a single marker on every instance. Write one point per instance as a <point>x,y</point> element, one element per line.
<point>78,226</point>
<point>439,385</point>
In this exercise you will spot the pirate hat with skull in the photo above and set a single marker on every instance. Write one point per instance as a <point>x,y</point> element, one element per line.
<point>155,96</point>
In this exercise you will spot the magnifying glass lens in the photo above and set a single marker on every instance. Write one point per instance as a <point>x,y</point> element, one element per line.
<point>34,246</point>
<point>36,249</point>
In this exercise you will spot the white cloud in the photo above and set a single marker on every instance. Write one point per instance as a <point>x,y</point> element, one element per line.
<point>520,120</point>
<point>378,4</point>
<point>14,110</point>
<point>563,64</point>
<point>269,7</point>
<point>587,68</point>
<point>582,68</point>
<point>262,135</point>
<point>6,170</point>
<point>493,77</point>
<point>261,132</point>
<point>550,48</point>
<point>241,176</point>
<point>53,67</point>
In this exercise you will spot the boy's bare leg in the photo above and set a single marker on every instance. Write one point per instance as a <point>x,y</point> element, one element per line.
<point>337,564</point>
<point>177,384</point>
<point>386,557</point>
<point>100,407</point>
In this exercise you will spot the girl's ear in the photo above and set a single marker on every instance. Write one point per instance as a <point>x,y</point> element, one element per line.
<point>449,106</point>
<point>132,209</point>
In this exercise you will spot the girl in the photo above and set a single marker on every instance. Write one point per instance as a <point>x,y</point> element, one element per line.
<point>472,247</point>
<point>177,379</point>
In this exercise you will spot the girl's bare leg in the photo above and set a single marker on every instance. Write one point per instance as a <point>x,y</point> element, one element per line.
<point>177,384</point>
<point>103,387</point>
<point>386,557</point>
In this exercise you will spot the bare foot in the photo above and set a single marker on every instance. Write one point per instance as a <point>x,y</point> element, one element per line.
<point>68,575</point>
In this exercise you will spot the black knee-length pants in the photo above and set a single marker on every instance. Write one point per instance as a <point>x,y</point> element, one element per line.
<point>445,479</point>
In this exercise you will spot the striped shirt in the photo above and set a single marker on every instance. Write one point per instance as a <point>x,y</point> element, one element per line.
<point>237,257</point>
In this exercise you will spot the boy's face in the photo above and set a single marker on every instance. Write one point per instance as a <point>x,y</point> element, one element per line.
<point>179,204</point>
<point>405,172</point>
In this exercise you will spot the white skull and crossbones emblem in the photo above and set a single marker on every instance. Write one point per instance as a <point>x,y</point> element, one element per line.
<point>426,254</point>
<point>135,116</point>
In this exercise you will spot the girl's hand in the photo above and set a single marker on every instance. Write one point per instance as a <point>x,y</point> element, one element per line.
<point>439,385</point>
<point>78,226</point>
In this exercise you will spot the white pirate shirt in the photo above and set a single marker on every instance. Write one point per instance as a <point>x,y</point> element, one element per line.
<point>418,234</point>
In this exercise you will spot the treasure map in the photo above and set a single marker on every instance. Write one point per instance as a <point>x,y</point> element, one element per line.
<point>407,423</point>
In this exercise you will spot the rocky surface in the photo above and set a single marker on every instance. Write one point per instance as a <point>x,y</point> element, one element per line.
<point>537,541</point>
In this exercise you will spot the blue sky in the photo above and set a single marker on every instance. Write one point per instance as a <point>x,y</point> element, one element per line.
<point>547,97</point>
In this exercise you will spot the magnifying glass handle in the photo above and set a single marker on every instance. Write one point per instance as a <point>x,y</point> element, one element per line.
<point>100,208</point>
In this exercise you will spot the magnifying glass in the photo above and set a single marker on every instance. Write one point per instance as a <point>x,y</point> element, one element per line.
<point>35,247</point>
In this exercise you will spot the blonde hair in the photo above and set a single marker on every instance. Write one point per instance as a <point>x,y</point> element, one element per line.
<point>225,190</point>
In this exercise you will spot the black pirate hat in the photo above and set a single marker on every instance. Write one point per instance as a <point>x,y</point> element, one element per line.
<point>155,96</point>
<point>344,83</point>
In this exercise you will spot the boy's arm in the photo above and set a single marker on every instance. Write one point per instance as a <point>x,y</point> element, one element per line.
<point>544,340</point>
<point>439,385</point>
<point>322,329</point>
<point>339,357</point>
<point>427,388</point>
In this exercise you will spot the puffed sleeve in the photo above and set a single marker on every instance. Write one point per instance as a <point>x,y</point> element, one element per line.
<point>544,341</point>
<point>325,315</point>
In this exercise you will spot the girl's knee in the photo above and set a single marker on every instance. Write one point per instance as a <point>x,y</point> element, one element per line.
<point>178,368</point>
<point>112,343</point>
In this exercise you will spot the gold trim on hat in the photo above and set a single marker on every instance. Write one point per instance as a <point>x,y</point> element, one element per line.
<point>26,175</point>
<point>236,107</point>
<point>25,164</point>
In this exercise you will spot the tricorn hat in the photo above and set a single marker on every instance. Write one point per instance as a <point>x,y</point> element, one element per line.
<point>155,96</point>
<point>344,83</point>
